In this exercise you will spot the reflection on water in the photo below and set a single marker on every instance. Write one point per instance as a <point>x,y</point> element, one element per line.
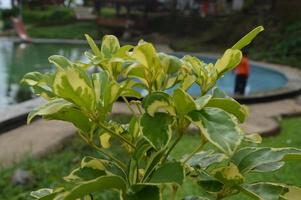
<point>16,59</point>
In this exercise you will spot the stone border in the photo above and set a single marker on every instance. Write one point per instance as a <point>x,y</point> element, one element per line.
<point>291,89</point>
<point>15,115</point>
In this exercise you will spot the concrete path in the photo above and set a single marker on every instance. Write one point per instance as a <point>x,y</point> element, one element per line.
<point>264,117</point>
<point>36,139</point>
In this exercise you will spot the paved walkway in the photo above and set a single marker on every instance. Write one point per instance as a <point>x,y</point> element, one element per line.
<point>264,117</point>
<point>36,139</point>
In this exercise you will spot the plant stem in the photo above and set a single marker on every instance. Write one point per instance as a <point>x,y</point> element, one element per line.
<point>172,147</point>
<point>101,151</point>
<point>174,191</point>
<point>115,134</point>
<point>195,151</point>
<point>139,109</point>
<point>181,133</point>
<point>129,106</point>
<point>109,155</point>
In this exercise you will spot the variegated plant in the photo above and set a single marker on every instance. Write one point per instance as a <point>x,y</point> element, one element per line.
<point>134,159</point>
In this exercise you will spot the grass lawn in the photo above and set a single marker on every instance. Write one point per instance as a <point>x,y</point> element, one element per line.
<point>49,170</point>
<point>75,30</point>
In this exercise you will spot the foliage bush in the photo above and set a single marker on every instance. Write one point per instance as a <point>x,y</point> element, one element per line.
<point>53,15</point>
<point>136,161</point>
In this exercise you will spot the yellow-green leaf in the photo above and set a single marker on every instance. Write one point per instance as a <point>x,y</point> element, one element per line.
<point>247,39</point>
<point>105,140</point>
<point>219,128</point>
<point>74,85</point>
<point>109,46</point>
<point>93,46</point>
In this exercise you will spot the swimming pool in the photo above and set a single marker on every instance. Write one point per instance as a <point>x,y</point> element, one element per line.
<point>17,59</point>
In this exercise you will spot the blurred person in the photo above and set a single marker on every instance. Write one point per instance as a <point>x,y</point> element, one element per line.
<point>242,73</point>
<point>204,7</point>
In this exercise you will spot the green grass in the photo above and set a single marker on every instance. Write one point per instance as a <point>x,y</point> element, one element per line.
<point>69,31</point>
<point>49,170</point>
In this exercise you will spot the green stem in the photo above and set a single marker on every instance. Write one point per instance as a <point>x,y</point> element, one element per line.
<point>181,133</point>
<point>115,134</point>
<point>102,151</point>
<point>174,191</point>
<point>129,106</point>
<point>139,109</point>
<point>195,151</point>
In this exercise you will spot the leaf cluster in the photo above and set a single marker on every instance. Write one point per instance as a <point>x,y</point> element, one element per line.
<point>162,112</point>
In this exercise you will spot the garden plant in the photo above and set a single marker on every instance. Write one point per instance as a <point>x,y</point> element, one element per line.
<point>134,160</point>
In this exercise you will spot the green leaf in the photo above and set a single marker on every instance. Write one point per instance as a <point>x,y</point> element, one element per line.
<point>208,183</point>
<point>41,84</point>
<point>141,150</point>
<point>264,190</point>
<point>195,198</point>
<point>60,61</point>
<point>100,83</point>
<point>95,185</point>
<point>105,140</point>
<point>219,128</point>
<point>247,39</point>
<point>293,193</point>
<point>264,159</point>
<point>230,59</point>
<point>93,46</point>
<point>187,82</point>
<point>49,108</point>
<point>74,85</point>
<point>143,191</point>
<point>106,90</point>
<point>204,159</point>
<point>169,172</point>
<point>32,78</point>
<point>146,55</point>
<point>158,101</point>
<point>230,106</point>
<point>184,103</point>
<point>46,193</point>
<point>152,163</point>
<point>73,115</point>
<point>133,171</point>
<point>253,138</point>
<point>92,168</point>
<point>84,174</point>
<point>109,46</point>
<point>229,175</point>
<point>202,101</point>
<point>93,163</point>
<point>157,129</point>
<point>205,74</point>
<point>171,64</point>
<point>134,127</point>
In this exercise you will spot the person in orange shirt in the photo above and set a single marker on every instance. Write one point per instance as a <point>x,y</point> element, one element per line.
<point>242,74</point>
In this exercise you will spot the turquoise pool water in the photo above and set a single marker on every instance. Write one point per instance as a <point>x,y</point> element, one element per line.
<point>17,59</point>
